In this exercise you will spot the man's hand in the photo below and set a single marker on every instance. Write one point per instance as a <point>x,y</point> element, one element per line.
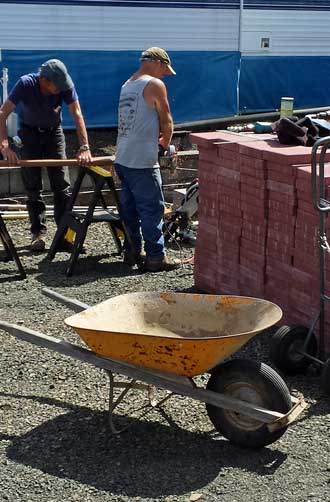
<point>163,142</point>
<point>84,157</point>
<point>9,155</point>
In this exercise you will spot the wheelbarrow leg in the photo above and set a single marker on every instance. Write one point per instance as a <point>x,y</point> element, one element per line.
<point>127,386</point>
<point>71,303</point>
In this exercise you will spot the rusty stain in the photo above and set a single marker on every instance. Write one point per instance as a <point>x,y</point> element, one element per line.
<point>136,345</point>
<point>168,299</point>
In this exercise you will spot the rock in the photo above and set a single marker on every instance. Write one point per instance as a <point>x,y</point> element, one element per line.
<point>195,496</point>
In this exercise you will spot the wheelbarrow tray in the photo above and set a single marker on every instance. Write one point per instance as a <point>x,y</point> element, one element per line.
<point>179,333</point>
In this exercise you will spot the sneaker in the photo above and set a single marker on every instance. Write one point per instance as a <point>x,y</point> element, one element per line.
<point>38,243</point>
<point>132,259</point>
<point>161,264</point>
<point>67,247</point>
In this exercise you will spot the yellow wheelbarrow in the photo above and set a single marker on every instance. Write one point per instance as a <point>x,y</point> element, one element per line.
<point>167,339</point>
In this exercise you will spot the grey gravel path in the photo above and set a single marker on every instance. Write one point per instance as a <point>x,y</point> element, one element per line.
<point>54,441</point>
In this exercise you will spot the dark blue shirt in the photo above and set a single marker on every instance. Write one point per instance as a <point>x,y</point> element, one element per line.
<point>36,109</point>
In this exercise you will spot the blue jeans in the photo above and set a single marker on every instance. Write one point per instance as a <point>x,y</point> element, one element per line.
<point>142,208</point>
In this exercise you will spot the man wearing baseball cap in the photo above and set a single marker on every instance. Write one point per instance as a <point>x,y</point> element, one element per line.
<point>40,97</point>
<point>158,54</point>
<point>145,122</point>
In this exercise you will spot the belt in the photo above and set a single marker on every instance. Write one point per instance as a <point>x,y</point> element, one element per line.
<point>40,129</point>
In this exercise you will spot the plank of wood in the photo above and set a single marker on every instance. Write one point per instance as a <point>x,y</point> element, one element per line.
<point>97,161</point>
<point>188,153</point>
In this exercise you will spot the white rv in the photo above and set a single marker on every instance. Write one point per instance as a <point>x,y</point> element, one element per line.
<point>231,56</point>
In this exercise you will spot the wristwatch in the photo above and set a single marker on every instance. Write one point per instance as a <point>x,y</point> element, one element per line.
<point>83,148</point>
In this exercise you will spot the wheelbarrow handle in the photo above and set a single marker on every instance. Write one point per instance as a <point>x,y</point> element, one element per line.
<point>72,303</point>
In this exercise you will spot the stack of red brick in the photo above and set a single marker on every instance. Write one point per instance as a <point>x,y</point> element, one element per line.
<point>258,229</point>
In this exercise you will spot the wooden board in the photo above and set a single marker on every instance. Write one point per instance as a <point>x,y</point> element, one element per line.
<point>97,161</point>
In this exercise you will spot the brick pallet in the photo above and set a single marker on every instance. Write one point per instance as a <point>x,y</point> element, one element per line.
<point>258,229</point>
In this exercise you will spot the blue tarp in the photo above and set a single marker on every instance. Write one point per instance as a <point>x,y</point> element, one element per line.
<point>264,80</point>
<point>205,86</point>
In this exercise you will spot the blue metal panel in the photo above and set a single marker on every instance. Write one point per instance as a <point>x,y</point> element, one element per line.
<point>264,80</point>
<point>287,4</point>
<point>189,4</point>
<point>205,86</point>
<point>209,4</point>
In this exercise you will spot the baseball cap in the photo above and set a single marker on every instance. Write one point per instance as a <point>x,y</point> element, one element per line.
<point>55,71</point>
<point>157,54</point>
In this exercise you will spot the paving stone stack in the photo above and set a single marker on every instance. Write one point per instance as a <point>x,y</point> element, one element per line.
<point>258,228</point>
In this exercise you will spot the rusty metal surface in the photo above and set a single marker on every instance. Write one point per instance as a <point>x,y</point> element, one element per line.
<point>185,334</point>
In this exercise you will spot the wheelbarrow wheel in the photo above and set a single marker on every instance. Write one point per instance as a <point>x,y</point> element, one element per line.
<point>325,379</point>
<point>255,383</point>
<point>285,345</point>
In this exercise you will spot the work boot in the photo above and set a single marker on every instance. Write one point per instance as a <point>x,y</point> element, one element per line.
<point>132,259</point>
<point>161,264</point>
<point>38,243</point>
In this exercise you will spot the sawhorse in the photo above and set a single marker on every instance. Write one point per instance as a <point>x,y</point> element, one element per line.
<point>79,221</point>
<point>10,250</point>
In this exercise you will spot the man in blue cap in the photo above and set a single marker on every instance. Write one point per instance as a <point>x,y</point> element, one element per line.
<point>39,97</point>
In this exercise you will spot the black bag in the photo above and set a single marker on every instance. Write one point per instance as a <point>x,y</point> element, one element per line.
<point>291,131</point>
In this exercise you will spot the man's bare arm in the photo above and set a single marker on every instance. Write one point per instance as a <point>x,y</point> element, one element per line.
<point>84,156</point>
<point>156,96</point>
<point>5,110</point>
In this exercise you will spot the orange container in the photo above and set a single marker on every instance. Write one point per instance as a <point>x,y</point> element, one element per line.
<point>181,333</point>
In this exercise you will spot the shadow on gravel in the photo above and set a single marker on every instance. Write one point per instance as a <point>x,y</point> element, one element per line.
<point>24,250</point>
<point>10,273</point>
<point>11,277</point>
<point>149,460</point>
<point>87,270</point>
<point>320,408</point>
<point>310,386</point>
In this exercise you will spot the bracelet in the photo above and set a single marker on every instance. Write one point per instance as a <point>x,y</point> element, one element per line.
<point>83,148</point>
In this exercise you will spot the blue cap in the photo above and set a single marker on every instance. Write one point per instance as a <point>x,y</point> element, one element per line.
<point>55,71</point>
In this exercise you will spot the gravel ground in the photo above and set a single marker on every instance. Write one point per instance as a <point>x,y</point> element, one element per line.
<point>54,440</point>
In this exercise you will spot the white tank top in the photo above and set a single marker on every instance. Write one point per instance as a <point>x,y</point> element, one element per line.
<point>138,127</point>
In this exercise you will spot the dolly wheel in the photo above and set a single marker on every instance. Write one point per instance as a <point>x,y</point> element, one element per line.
<point>255,383</point>
<point>285,345</point>
<point>326,377</point>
